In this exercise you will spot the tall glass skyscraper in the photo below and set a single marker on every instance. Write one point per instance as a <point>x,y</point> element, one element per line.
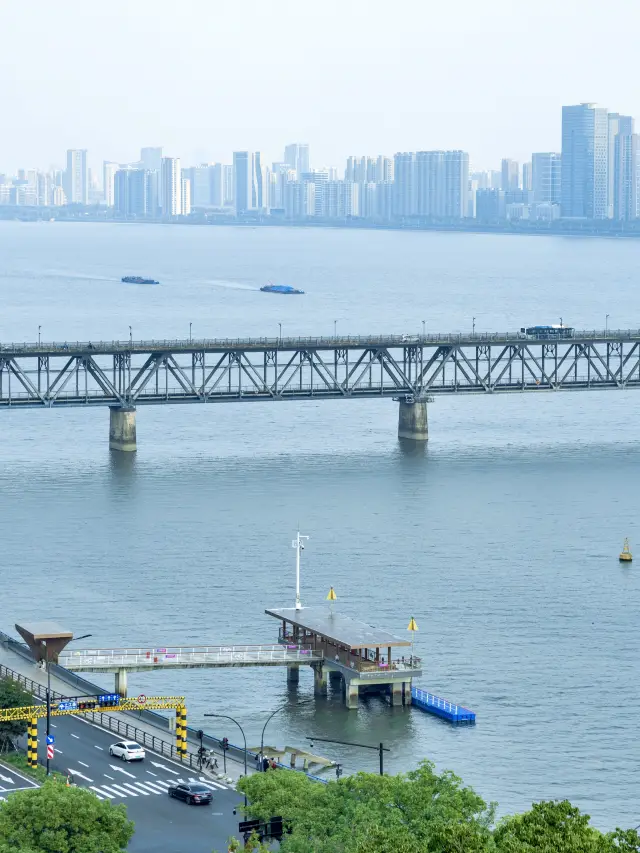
<point>585,162</point>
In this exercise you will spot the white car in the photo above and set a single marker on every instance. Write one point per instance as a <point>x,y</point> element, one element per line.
<point>127,750</point>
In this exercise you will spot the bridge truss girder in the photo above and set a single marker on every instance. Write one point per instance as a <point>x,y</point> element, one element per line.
<point>132,379</point>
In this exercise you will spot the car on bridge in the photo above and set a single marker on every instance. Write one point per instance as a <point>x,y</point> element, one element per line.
<point>127,750</point>
<point>193,794</point>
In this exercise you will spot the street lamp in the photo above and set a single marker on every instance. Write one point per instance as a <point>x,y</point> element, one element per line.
<point>560,322</point>
<point>39,327</point>
<point>606,324</point>
<point>281,708</point>
<point>381,748</point>
<point>190,325</point>
<point>48,661</point>
<point>474,325</point>
<point>424,334</point>
<point>335,328</point>
<point>227,717</point>
<point>280,332</point>
<point>130,336</point>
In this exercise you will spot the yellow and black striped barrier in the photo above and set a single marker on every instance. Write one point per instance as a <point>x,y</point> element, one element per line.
<point>181,731</point>
<point>32,742</point>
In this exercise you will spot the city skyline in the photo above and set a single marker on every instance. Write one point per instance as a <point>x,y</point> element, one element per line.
<point>342,77</point>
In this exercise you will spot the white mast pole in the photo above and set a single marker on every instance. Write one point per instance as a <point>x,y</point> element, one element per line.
<point>298,544</point>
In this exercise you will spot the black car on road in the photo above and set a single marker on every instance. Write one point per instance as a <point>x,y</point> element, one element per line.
<point>192,794</point>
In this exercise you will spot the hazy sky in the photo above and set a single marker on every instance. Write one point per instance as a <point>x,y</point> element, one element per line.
<point>205,77</point>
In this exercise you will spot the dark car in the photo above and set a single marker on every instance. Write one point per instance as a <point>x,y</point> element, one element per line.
<point>194,793</point>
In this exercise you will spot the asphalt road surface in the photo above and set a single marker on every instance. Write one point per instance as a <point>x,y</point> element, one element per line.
<point>11,780</point>
<point>163,825</point>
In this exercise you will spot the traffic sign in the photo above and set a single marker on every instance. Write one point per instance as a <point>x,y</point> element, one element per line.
<point>70,705</point>
<point>50,739</point>
<point>49,751</point>
<point>141,699</point>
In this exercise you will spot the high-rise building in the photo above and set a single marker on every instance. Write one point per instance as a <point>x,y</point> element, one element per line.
<point>585,162</point>
<point>171,187</point>
<point>227,185</point>
<point>527,178</point>
<point>618,126</point>
<point>403,185</point>
<point>546,172</point>
<point>441,184</point>
<point>131,192</point>
<point>109,170</point>
<point>296,156</point>
<point>185,196</point>
<point>200,178</point>
<point>384,170</point>
<point>626,168</point>
<point>77,177</point>
<point>510,170</point>
<point>243,181</point>
<point>300,199</point>
<point>216,188</point>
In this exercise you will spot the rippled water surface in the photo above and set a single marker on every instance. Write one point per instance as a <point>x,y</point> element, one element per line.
<point>501,539</point>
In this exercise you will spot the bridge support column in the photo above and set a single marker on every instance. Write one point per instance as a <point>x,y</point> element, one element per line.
<point>395,693</point>
<point>293,675</point>
<point>406,690</point>
<point>319,681</point>
<point>412,421</point>
<point>122,428</point>
<point>335,679</point>
<point>351,696</point>
<point>121,682</point>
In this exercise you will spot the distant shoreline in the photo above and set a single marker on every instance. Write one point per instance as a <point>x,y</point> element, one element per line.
<point>560,228</point>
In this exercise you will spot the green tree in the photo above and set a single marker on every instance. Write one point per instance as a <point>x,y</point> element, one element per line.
<point>58,819</point>
<point>419,812</point>
<point>551,827</point>
<point>12,695</point>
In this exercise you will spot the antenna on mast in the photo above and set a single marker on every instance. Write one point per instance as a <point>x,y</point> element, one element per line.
<point>298,544</point>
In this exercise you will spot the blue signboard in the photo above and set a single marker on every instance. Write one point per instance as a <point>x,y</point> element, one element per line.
<point>71,705</point>
<point>50,740</point>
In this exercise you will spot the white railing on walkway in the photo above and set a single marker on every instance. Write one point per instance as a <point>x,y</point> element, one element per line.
<point>435,701</point>
<point>179,656</point>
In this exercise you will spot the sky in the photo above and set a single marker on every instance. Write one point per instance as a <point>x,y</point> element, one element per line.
<point>205,77</point>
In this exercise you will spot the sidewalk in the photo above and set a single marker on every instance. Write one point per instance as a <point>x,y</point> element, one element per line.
<point>163,735</point>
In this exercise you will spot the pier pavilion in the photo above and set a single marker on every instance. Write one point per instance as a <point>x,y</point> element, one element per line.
<point>358,656</point>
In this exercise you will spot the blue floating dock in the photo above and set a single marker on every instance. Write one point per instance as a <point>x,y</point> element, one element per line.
<point>441,707</point>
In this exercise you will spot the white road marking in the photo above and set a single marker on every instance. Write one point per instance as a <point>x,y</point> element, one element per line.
<point>123,791</point>
<point>77,737</point>
<point>164,767</point>
<point>120,770</point>
<point>151,774</point>
<point>7,779</point>
<point>101,791</point>
<point>59,751</point>
<point>78,773</point>
<point>83,764</point>
<point>162,782</point>
<point>53,726</point>
<point>99,747</point>
<point>109,777</point>
<point>130,786</point>
<point>155,787</point>
<point>112,789</point>
<point>142,786</point>
<point>182,782</point>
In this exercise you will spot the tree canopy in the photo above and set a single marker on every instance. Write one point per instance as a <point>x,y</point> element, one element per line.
<point>60,819</point>
<point>12,695</point>
<point>417,812</point>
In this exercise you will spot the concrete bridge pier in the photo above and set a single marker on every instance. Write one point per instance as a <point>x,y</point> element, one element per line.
<point>121,682</point>
<point>412,421</point>
<point>293,675</point>
<point>351,697</point>
<point>396,693</point>
<point>122,428</point>
<point>335,679</point>
<point>319,681</point>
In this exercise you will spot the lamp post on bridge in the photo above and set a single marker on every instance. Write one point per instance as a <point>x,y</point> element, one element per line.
<point>335,328</point>
<point>40,327</point>
<point>424,333</point>
<point>606,324</point>
<point>130,336</point>
<point>190,325</point>
<point>279,333</point>
<point>474,325</point>
<point>48,663</point>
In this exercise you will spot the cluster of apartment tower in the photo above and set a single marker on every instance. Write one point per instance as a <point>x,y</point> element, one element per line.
<point>595,176</point>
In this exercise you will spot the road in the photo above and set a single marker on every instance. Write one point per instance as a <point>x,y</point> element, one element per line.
<point>11,780</point>
<point>163,825</point>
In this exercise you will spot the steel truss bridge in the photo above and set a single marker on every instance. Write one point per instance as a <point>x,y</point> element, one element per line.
<point>135,373</point>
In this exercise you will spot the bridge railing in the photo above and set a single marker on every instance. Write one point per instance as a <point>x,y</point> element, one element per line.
<point>189,345</point>
<point>126,658</point>
<point>436,701</point>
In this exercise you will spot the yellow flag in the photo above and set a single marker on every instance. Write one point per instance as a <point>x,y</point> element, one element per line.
<point>332,595</point>
<point>412,625</point>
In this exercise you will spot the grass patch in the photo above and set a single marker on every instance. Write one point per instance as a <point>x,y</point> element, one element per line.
<point>19,761</point>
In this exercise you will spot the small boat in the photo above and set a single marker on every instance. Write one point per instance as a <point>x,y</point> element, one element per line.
<point>137,279</point>
<point>625,556</point>
<point>279,288</point>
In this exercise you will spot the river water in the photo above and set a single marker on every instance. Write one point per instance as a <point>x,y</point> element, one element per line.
<point>501,539</point>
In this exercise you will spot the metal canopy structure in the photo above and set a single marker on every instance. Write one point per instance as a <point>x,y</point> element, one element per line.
<point>134,373</point>
<point>45,639</point>
<point>339,629</point>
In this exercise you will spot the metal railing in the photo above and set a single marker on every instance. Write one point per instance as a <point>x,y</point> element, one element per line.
<point>204,655</point>
<point>436,701</point>
<point>175,344</point>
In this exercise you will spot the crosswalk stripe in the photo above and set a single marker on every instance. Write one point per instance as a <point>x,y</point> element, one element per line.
<point>157,789</point>
<point>145,786</point>
<point>99,792</point>
<point>122,790</point>
<point>162,782</point>
<point>134,787</point>
<point>106,790</point>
